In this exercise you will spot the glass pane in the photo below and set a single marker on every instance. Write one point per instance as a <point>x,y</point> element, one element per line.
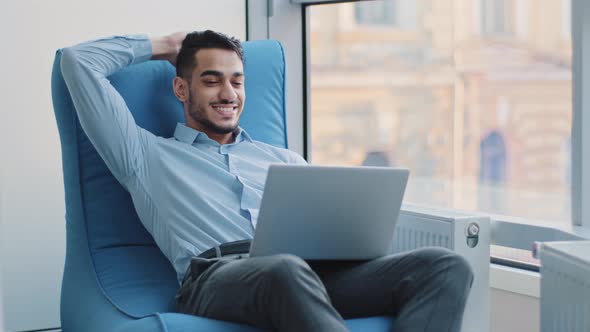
<point>474,97</point>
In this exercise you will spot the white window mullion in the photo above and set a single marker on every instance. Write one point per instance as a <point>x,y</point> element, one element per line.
<point>257,11</point>
<point>286,26</point>
<point>282,21</point>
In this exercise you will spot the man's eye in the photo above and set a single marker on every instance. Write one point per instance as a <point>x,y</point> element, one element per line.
<point>210,82</point>
<point>238,83</point>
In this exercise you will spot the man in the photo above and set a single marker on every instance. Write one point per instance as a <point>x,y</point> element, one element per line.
<point>203,187</point>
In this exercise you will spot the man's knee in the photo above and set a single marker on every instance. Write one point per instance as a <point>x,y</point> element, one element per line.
<point>459,268</point>
<point>456,266</point>
<point>285,270</point>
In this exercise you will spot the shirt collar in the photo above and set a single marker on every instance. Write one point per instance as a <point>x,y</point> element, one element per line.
<point>189,135</point>
<point>243,135</point>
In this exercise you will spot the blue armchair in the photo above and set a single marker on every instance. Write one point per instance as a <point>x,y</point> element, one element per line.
<point>115,277</point>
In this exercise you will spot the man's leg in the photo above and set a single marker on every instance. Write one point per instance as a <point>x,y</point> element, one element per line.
<point>278,292</point>
<point>425,289</point>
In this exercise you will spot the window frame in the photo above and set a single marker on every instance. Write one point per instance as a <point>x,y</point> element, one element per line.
<point>287,22</point>
<point>282,20</point>
<point>580,137</point>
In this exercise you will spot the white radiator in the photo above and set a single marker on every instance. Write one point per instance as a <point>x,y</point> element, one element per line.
<point>565,286</point>
<point>467,235</point>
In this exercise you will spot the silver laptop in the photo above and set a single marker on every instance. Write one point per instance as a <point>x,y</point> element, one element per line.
<point>335,213</point>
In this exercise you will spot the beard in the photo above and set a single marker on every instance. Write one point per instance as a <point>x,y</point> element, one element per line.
<point>200,116</point>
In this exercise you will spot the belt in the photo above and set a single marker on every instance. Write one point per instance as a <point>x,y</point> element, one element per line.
<point>227,249</point>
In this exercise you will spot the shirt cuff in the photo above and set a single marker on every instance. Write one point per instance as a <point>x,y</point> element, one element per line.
<point>142,48</point>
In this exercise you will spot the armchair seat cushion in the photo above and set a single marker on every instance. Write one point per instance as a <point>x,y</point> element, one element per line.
<point>134,281</point>
<point>170,322</point>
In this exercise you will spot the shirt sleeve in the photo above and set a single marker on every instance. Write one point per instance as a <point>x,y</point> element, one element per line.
<point>102,112</point>
<point>296,159</point>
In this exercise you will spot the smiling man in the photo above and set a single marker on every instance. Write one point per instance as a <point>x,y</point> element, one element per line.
<point>211,85</point>
<point>203,187</point>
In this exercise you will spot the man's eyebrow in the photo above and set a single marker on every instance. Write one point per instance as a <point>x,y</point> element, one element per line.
<point>220,74</point>
<point>211,73</point>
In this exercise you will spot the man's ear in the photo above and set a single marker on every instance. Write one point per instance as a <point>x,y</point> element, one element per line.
<point>181,87</point>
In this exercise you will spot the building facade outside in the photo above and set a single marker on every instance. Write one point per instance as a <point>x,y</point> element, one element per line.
<point>473,96</point>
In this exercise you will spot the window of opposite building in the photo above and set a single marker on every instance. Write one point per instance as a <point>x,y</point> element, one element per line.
<point>497,16</point>
<point>399,14</point>
<point>482,123</point>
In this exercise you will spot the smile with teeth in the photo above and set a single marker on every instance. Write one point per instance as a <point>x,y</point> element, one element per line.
<point>225,109</point>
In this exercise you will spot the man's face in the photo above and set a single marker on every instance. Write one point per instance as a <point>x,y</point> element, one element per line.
<point>216,92</point>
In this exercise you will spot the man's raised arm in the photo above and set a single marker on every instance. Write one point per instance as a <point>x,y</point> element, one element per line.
<point>103,114</point>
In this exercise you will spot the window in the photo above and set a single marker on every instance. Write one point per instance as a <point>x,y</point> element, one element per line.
<point>393,13</point>
<point>481,121</point>
<point>496,17</point>
<point>448,85</point>
<point>381,13</point>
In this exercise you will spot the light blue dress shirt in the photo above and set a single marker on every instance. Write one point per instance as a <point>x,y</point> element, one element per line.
<point>190,192</point>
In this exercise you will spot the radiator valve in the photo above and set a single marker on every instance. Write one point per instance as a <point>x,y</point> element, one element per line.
<point>472,233</point>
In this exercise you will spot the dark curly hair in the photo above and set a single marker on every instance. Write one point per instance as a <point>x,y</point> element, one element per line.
<point>197,40</point>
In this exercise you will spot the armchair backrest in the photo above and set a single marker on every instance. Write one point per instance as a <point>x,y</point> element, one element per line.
<point>105,239</point>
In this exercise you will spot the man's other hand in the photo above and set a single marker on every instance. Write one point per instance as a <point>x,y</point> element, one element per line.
<point>167,47</point>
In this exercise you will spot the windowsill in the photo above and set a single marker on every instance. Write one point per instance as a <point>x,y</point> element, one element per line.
<point>515,280</point>
<point>579,231</point>
<point>522,234</point>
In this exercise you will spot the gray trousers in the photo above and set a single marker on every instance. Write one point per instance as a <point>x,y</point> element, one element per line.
<point>425,290</point>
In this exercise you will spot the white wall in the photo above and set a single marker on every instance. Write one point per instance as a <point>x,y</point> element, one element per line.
<point>512,312</point>
<point>32,235</point>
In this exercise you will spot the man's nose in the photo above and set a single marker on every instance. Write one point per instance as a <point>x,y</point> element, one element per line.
<point>227,92</point>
